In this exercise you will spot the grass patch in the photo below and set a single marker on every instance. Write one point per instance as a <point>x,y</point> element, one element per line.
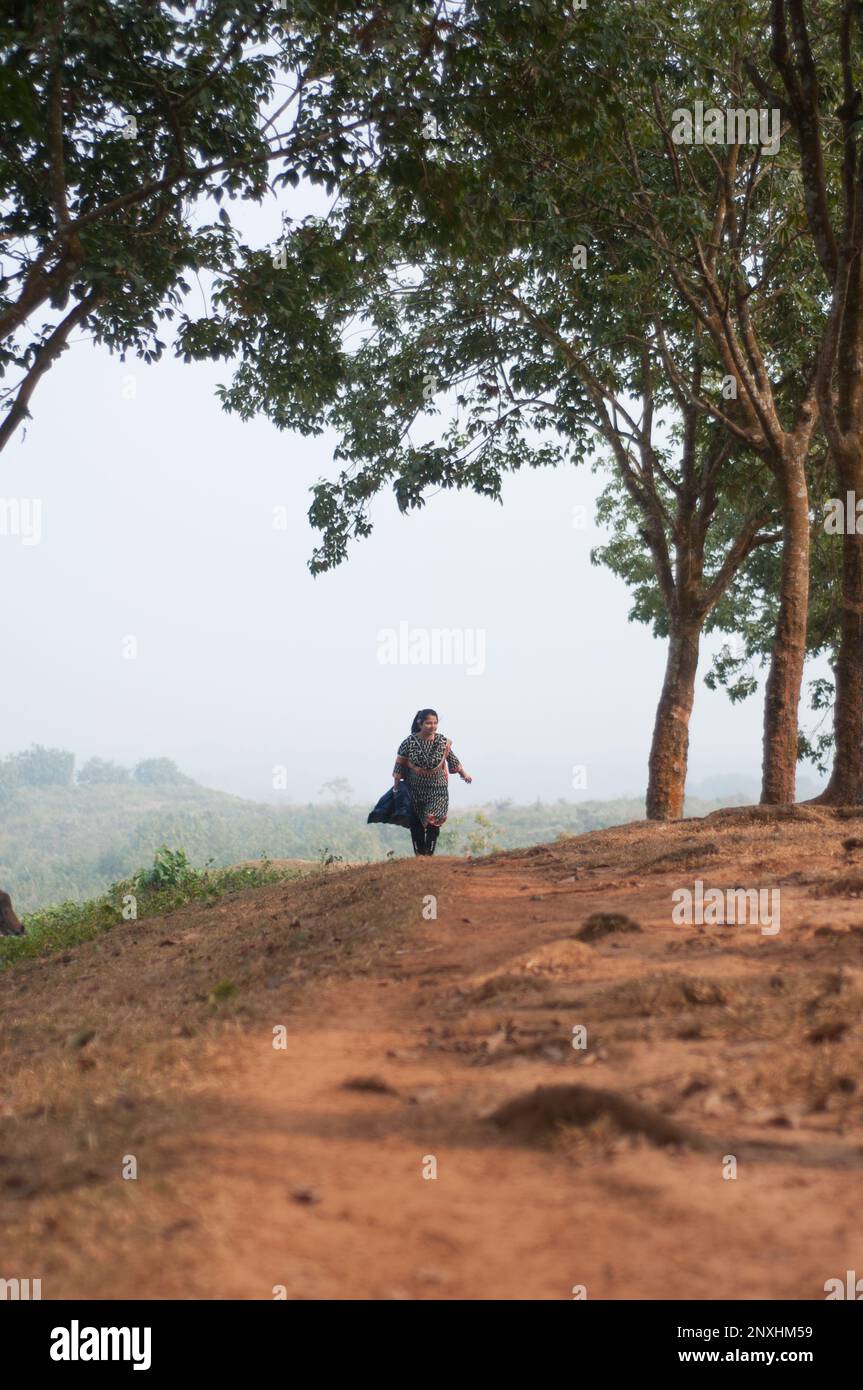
<point>172,882</point>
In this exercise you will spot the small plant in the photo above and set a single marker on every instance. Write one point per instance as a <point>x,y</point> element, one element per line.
<point>226,989</point>
<point>171,869</point>
<point>482,841</point>
<point>326,858</point>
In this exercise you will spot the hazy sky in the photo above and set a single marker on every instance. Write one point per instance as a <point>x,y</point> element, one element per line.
<point>157,524</point>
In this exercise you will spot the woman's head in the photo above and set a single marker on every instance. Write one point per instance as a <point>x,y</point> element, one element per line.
<point>425,722</point>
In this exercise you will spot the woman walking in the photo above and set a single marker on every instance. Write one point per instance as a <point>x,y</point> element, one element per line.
<point>423,762</point>
<point>425,758</point>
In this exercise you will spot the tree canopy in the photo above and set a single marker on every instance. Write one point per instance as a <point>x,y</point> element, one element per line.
<point>130,127</point>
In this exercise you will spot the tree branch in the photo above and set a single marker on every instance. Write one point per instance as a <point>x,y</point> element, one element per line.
<point>45,356</point>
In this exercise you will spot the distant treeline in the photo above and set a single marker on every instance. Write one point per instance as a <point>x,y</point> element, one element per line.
<point>38,766</point>
<point>62,838</point>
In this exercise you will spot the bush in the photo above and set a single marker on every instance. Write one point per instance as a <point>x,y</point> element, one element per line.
<point>38,767</point>
<point>100,771</point>
<point>154,772</point>
<point>171,869</point>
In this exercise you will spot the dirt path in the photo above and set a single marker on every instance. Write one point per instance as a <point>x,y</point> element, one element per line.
<point>303,1167</point>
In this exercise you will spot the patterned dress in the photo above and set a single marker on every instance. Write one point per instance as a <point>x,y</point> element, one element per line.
<point>424,763</point>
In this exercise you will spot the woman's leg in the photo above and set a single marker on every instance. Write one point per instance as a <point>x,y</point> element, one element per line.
<point>432,832</point>
<point>417,834</point>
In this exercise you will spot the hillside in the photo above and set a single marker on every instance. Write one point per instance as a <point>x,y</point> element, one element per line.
<point>410,1039</point>
<point>72,842</point>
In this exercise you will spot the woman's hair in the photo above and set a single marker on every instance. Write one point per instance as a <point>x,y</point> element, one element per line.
<point>421,715</point>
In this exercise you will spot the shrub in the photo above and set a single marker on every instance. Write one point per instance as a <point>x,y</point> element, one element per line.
<point>101,771</point>
<point>159,772</point>
<point>39,767</point>
<point>171,869</point>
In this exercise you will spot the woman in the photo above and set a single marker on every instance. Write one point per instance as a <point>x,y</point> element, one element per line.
<point>423,760</point>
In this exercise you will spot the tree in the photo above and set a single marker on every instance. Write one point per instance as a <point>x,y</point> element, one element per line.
<point>738,250</point>
<point>339,789</point>
<point>815,53</point>
<point>750,613</point>
<point>533,256</point>
<point>704,534</point>
<point>38,766</point>
<point>101,772</point>
<point>123,119</point>
<point>157,772</point>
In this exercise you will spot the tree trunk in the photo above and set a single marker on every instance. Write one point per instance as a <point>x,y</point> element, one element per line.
<point>846,778</point>
<point>845,785</point>
<point>669,750</point>
<point>782,696</point>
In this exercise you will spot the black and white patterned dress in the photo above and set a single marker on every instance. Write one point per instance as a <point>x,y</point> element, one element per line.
<point>424,763</point>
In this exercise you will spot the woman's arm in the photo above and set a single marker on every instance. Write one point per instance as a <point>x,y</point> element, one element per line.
<point>454,765</point>
<point>398,770</point>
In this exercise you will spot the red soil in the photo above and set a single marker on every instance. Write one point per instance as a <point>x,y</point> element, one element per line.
<point>303,1167</point>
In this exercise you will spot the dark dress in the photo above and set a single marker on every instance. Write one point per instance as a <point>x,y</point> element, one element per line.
<point>424,762</point>
<point>394,808</point>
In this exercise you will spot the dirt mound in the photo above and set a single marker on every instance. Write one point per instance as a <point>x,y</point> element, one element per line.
<point>543,1110</point>
<point>600,924</point>
<point>555,958</point>
<point>304,1075</point>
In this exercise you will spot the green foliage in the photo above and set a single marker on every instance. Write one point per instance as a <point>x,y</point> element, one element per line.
<point>102,772</point>
<point>171,869</point>
<point>38,767</point>
<point>68,923</point>
<point>223,991</point>
<point>483,839</point>
<point>125,120</point>
<point>817,746</point>
<point>159,772</point>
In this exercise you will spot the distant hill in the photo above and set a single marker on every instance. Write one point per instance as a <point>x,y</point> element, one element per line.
<point>72,842</point>
<point>737,784</point>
